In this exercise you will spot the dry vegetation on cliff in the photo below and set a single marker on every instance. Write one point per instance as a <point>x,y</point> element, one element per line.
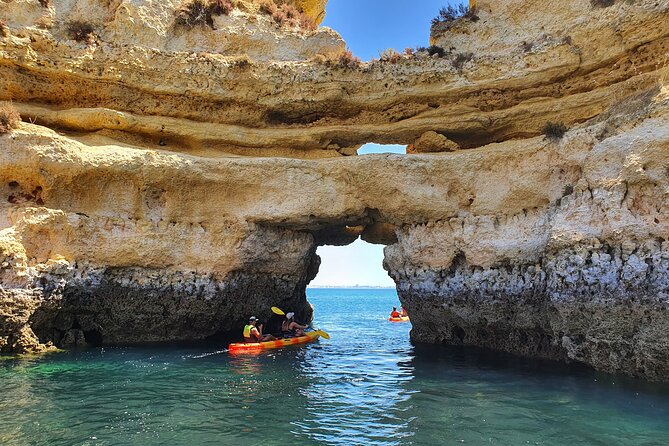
<point>554,130</point>
<point>82,31</point>
<point>285,14</point>
<point>201,12</point>
<point>452,13</point>
<point>9,117</point>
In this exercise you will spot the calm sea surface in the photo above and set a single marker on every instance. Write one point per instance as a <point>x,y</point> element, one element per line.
<point>366,385</point>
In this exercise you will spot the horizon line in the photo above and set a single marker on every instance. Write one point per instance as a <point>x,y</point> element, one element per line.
<point>351,286</point>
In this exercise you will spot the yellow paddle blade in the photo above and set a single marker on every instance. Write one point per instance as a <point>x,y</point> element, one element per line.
<point>278,311</point>
<point>323,334</point>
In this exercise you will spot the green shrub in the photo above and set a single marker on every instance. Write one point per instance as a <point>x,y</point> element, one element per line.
<point>9,117</point>
<point>554,130</point>
<point>432,50</point>
<point>453,13</point>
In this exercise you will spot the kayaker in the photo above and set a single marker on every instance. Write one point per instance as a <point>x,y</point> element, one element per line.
<point>394,313</point>
<point>254,334</point>
<point>290,328</point>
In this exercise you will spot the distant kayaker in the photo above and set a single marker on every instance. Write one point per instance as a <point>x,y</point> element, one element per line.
<point>394,313</point>
<point>254,334</point>
<point>291,328</point>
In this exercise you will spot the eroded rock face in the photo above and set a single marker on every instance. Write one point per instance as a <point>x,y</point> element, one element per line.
<point>185,190</point>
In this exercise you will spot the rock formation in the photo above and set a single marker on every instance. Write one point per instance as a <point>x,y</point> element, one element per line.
<point>169,181</point>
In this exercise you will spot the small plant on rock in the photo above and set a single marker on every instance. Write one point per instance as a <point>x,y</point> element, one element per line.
<point>433,50</point>
<point>348,60</point>
<point>567,190</point>
<point>452,13</point>
<point>390,56</point>
<point>554,130</point>
<point>82,32</point>
<point>307,22</point>
<point>287,15</point>
<point>9,117</point>
<point>220,7</point>
<point>268,7</point>
<point>200,12</point>
<point>192,14</point>
<point>342,60</point>
<point>460,60</point>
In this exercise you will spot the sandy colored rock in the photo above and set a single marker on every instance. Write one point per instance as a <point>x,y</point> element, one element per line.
<point>166,184</point>
<point>430,142</point>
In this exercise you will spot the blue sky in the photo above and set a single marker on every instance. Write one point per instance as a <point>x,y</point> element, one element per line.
<point>370,26</point>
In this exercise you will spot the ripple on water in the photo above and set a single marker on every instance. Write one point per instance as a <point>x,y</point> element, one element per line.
<point>366,385</point>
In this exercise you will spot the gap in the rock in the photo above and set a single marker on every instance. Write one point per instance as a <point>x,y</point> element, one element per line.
<point>359,264</point>
<point>371,26</point>
<point>372,148</point>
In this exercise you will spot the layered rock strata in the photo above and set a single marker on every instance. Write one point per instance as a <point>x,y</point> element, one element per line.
<point>166,191</point>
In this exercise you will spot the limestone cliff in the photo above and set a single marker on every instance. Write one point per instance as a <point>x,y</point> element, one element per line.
<point>164,187</point>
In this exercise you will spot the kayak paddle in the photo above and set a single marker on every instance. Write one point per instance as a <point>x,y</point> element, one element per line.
<point>278,311</point>
<point>323,334</point>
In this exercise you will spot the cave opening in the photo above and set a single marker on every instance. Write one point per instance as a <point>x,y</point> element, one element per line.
<point>352,291</point>
<point>373,148</point>
<point>359,264</point>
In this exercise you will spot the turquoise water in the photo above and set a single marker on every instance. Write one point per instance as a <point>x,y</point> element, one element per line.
<point>366,385</point>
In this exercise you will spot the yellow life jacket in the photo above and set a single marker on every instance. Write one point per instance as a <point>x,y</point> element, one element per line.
<point>247,331</point>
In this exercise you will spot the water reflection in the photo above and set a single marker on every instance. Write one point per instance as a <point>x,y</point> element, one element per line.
<point>366,385</point>
<point>487,397</point>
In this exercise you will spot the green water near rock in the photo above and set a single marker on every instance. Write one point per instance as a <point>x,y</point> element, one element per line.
<point>366,385</point>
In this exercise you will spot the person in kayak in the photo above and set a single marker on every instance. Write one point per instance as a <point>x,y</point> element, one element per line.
<point>254,334</point>
<point>290,328</point>
<point>403,312</point>
<point>395,313</point>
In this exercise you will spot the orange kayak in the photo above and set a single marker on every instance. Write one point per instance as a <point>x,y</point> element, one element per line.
<point>257,347</point>
<point>399,319</point>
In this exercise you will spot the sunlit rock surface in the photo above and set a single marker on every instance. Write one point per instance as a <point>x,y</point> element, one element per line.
<point>167,183</point>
